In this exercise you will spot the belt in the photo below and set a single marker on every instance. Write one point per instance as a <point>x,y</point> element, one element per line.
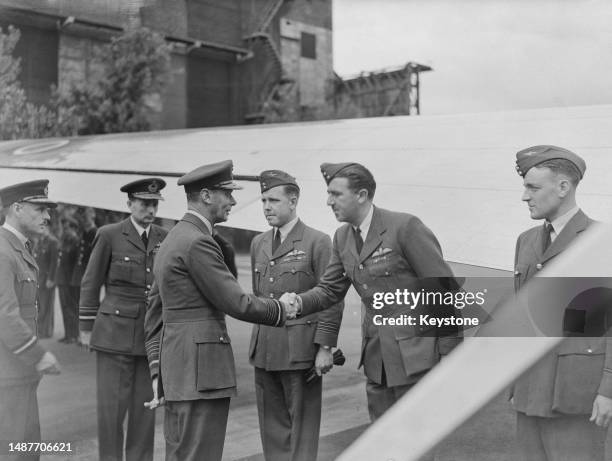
<point>191,314</point>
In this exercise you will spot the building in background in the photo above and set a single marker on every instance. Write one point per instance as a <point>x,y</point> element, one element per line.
<point>234,61</point>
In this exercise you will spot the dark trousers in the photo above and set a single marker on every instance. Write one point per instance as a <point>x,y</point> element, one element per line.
<point>124,384</point>
<point>19,417</point>
<point>566,438</point>
<point>69,300</point>
<point>195,429</point>
<point>289,414</point>
<point>46,297</point>
<point>381,398</point>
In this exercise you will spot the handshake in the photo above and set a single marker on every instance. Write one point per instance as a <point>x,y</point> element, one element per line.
<point>292,304</point>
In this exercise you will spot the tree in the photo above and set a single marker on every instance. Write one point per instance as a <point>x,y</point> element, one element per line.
<point>135,67</point>
<point>135,70</point>
<point>18,118</point>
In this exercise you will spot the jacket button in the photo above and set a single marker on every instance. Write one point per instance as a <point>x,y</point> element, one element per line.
<point>117,312</point>
<point>148,269</point>
<point>271,263</point>
<point>271,279</point>
<point>516,272</point>
<point>271,295</point>
<point>589,350</point>
<point>539,266</point>
<point>148,287</point>
<point>126,259</point>
<point>293,271</point>
<point>221,339</point>
<point>365,286</point>
<point>360,267</point>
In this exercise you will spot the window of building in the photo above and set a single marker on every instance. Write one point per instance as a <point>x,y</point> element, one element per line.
<point>309,45</point>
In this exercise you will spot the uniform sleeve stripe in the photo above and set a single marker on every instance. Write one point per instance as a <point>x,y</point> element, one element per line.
<point>153,363</point>
<point>87,317</point>
<point>29,343</point>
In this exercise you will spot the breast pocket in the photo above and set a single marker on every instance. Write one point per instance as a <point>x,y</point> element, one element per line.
<point>124,268</point>
<point>27,288</point>
<point>383,270</point>
<point>215,361</point>
<point>295,274</point>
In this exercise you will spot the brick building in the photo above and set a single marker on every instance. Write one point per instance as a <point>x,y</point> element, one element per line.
<point>233,61</point>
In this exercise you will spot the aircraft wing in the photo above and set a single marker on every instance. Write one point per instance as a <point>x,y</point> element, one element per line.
<point>455,172</point>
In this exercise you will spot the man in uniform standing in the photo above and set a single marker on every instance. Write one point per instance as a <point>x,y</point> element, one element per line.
<point>187,342</point>
<point>22,359</point>
<point>46,254</point>
<point>382,251</point>
<point>68,290</point>
<point>555,398</point>
<point>122,260</point>
<point>290,258</point>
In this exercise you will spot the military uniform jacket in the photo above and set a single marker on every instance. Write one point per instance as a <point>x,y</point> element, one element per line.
<point>120,262</point>
<point>46,254</point>
<point>296,266</point>
<point>187,340</point>
<point>19,348</point>
<point>67,259</point>
<point>567,380</point>
<point>397,253</point>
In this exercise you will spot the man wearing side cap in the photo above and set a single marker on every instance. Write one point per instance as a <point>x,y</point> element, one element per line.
<point>556,397</point>
<point>381,251</point>
<point>191,356</point>
<point>290,257</point>
<point>22,359</point>
<point>122,260</point>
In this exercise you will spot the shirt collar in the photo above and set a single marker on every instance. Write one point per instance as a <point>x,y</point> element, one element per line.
<point>364,227</point>
<point>561,221</point>
<point>287,227</point>
<point>206,222</point>
<point>139,228</point>
<point>22,238</point>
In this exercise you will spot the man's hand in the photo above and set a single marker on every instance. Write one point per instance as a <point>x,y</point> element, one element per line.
<point>155,402</point>
<point>291,304</point>
<point>85,338</point>
<point>602,411</point>
<point>324,361</point>
<point>48,365</point>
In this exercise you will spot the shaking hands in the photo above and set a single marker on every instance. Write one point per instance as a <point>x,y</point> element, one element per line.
<point>292,304</point>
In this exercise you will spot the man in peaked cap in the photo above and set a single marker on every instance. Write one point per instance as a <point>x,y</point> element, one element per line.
<point>291,257</point>
<point>380,251</point>
<point>556,397</point>
<point>191,357</point>
<point>22,359</point>
<point>122,260</point>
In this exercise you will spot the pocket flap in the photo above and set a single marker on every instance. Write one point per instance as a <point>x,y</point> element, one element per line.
<point>130,310</point>
<point>215,336</point>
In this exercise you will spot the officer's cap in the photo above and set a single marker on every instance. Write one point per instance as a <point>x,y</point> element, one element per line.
<point>532,156</point>
<point>273,178</point>
<point>145,189</point>
<point>213,176</point>
<point>31,192</point>
<point>331,170</point>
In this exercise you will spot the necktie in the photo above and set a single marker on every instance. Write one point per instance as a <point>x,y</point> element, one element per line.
<point>358,239</point>
<point>277,240</point>
<point>546,237</point>
<point>145,239</point>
